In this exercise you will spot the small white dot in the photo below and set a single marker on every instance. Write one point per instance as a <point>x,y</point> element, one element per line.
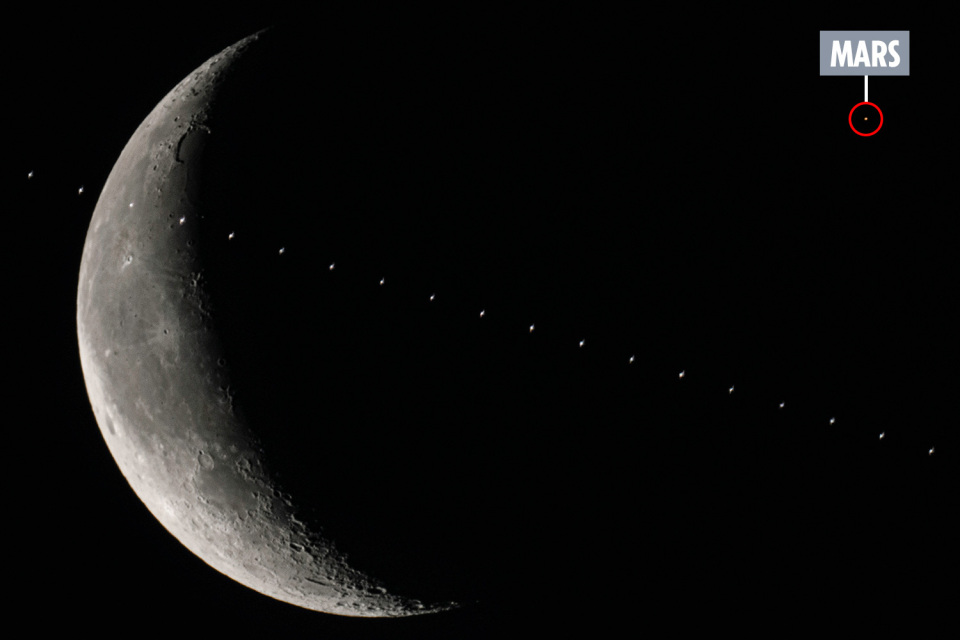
<point>930,453</point>
<point>531,328</point>
<point>631,359</point>
<point>782,404</point>
<point>730,390</point>
<point>183,219</point>
<point>432,296</point>
<point>682,373</point>
<point>482,312</point>
<point>230,235</point>
<point>282,249</point>
<point>131,205</point>
<point>582,342</point>
<point>29,175</point>
<point>331,266</point>
<point>382,280</point>
<point>882,434</point>
<point>832,420</point>
<point>80,190</point>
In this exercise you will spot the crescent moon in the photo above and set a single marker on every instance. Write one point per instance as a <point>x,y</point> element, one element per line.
<point>157,369</point>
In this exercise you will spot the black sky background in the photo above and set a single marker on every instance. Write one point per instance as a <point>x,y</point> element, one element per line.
<point>781,253</point>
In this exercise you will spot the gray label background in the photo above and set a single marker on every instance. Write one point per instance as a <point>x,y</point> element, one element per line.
<point>826,47</point>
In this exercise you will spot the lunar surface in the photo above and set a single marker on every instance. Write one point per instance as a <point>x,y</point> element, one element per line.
<point>161,359</point>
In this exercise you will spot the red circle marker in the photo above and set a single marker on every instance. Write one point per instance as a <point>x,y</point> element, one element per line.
<point>850,119</point>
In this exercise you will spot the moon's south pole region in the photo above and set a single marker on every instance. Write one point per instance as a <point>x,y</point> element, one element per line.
<point>169,351</point>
